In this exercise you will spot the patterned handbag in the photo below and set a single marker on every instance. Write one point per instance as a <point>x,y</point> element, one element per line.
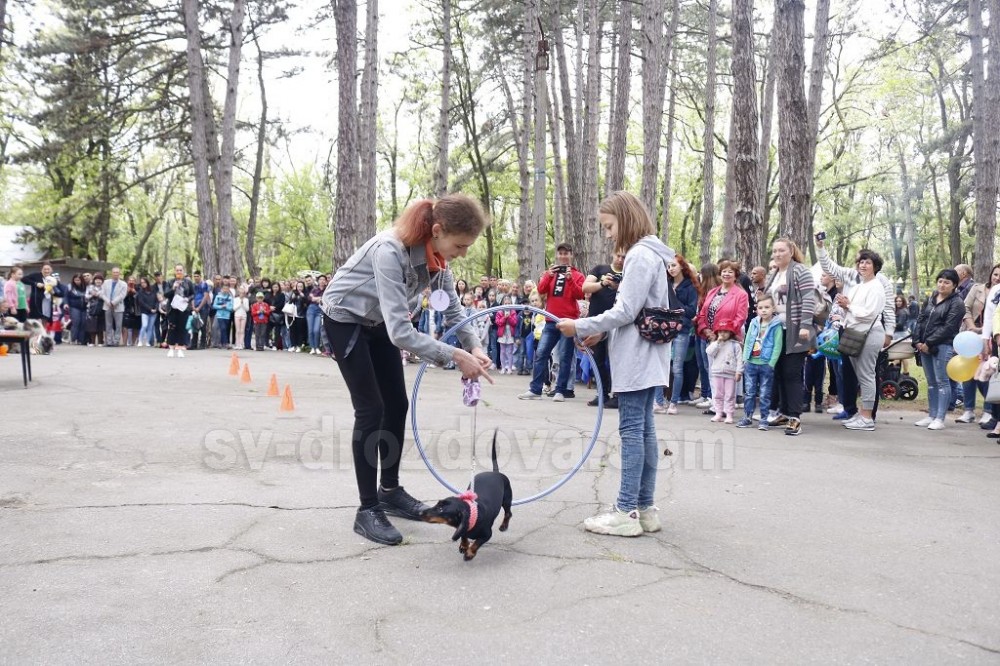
<point>660,325</point>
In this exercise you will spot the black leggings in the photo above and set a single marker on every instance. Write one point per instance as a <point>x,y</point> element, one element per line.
<point>787,391</point>
<point>373,371</point>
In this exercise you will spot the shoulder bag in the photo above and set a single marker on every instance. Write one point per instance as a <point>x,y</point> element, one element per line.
<point>852,341</point>
<point>660,325</point>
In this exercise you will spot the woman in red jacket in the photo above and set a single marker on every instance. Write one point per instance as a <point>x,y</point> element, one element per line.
<point>728,301</point>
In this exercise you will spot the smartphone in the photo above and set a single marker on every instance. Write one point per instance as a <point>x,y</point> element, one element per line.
<point>821,236</point>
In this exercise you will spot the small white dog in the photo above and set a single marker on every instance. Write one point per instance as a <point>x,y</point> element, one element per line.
<point>40,342</point>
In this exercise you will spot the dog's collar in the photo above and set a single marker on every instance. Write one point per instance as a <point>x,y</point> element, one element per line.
<point>469,498</point>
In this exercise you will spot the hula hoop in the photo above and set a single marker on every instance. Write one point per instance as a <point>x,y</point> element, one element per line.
<point>576,468</point>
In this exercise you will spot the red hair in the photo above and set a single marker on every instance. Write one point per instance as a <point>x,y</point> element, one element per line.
<point>686,269</point>
<point>455,213</point>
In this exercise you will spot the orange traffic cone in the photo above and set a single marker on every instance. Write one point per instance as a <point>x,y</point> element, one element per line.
<point>287,404</point>
<point>245,377</point>
<point>234,365</point>
<point>272,388</point>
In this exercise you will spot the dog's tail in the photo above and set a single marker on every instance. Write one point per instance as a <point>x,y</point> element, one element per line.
<point>496,468</point>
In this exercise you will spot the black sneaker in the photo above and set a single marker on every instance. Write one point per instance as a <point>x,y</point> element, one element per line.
<point>593,402</point>
<point>989,425</point>
<point>397,502</point>
<point>611,403</point>
<point>569,394</point>
<point>374,526</point>
<point>819,409</point>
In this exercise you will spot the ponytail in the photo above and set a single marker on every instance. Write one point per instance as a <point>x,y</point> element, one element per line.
<point>456,213</point>
<point>414,226</point>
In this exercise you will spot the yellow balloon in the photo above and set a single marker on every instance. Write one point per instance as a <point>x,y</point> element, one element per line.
<point>962,369</point>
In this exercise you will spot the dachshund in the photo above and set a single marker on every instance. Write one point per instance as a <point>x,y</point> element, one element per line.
<point>473,512</point>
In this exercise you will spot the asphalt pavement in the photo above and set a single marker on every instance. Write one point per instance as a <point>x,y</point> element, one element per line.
<point>160,510</point>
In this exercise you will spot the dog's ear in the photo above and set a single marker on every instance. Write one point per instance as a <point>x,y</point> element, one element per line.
<point>463,525</point>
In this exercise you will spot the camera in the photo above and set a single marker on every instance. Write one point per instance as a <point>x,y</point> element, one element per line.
<point>560,269</point>
<point>615,277</point>
<point>821,236</point>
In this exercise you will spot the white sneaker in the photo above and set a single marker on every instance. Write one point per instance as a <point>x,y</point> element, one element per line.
<point>924,422</point>
<point>936,424</point>
<point>659,409</point>
<point>704,403</point>
<point>835,409</point>
<point>528,395</point>
<point>170,353</point>
<point>986,418</point>
<point>615,523</point>
<point>966,417</point>
<point>860,423</point>
<point>847,422</point>
<point>180,353</point>
<point>558,397</point>
<point>649,520</point>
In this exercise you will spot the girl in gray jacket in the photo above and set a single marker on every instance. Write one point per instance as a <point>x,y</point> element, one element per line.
<point>366,311</point>
<point>638,368</point>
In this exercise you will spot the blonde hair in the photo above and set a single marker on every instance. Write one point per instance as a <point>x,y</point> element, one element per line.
<point>456,213</point>
<point>793,248</point>
<point>633,219</point>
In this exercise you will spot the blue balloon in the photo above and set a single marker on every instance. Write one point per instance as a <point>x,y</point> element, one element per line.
<point>967,344</point>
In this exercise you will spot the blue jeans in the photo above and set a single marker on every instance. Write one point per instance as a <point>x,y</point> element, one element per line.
<point>678,353</point>
<point>757,384</point>
<point>938,384</point>
<point>550,338</point>
<point>701,348</point>
<point>222,332</point>
<point>639,450</point>
<point>147,333</point>
<point>78,320</point>
<point>529,352</point>
<point>314,325</point>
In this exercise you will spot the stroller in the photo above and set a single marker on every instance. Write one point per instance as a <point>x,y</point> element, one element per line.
<point>896,385</point>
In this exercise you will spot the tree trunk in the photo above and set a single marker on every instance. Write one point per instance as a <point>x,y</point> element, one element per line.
<point>986,124</point>
<point>654,75</point>
<point>573,211</point>
<point>821,40</point>
<point>229,258</point>
<point>559,204</point>
<point>199,138</point>
<point>249,252</point>
<point>346,220</point>
<point>368,126</point>
<point>621,87</point>
<point>3,24</point>
<point>708,168</point>
<point>793,122</point>
<point>525,219</point>
<point>590,241</point>
<point>444,124</point>
<point>534,255</point>
<point>668,164</point>
<point>764,166</point>
<point>911,228</point>
<point>743,150</point>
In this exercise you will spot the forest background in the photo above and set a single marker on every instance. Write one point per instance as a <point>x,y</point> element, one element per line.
<point>264,137</point>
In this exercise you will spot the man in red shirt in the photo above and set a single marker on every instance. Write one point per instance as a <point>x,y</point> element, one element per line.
<point>562,285</point>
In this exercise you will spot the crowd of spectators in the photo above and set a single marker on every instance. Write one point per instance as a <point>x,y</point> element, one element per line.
<point>779,373</point>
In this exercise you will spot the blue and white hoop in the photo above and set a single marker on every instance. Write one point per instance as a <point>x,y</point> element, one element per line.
<point>586,453</point>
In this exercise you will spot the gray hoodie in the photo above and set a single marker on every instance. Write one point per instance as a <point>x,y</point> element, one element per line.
<point>635,363</point>
<point>383,282</point>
